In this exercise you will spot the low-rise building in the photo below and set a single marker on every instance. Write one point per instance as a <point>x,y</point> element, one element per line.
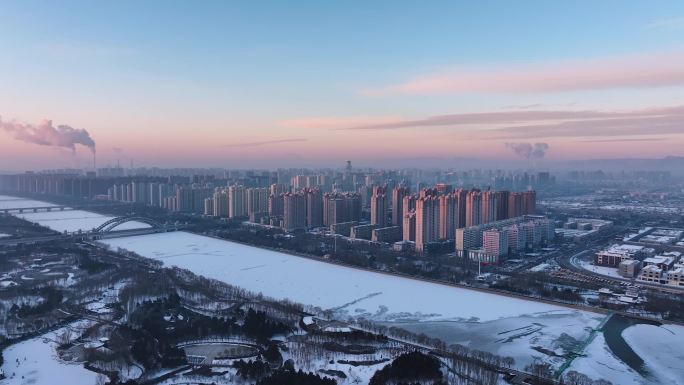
<point>362,232</point>
<point>675,277</point>
<point>651,273</point>
<point>663,262</point>
<point>342,228</point>
<point>387,234</point>
<point>629,268</point>
<point>613,255</point>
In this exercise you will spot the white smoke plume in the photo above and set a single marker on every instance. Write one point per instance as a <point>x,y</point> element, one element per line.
<point>46,134</point>
<point>529,150</point>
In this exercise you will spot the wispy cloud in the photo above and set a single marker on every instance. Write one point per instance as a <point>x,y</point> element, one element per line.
<point>623,140</point>
<point>266,142</point>
<point>535,124</point>
<point>672,24</point>
<point>336,122</point>
<point>639,71</point>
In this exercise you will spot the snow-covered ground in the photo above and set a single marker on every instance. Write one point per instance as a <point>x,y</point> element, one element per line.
<point>68,220</point>
<point>661,348</point>
<point>603,270</point>
<point>35,362</point>
<point>352,291</point>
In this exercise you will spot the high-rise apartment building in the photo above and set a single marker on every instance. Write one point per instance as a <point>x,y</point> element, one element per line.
<point>257,200</point>
<point>314,207</point>
<point>398,194</point>
<point>220,205</point>
<point>236,201</point>
<point>448,210</point>
<point>473,215</point>
<point>409,226</point>
<point>378,206</point>
<point>294,211</point>
<point>495,242</point>
<point>341,207</point>
<point>427,221</point>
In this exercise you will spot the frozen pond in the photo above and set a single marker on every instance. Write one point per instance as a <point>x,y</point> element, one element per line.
<point>35,362</point>
<point>68,220</point>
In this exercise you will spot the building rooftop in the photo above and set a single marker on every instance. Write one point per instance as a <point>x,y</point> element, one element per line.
<point>658,260</point>
<point>652,269</point>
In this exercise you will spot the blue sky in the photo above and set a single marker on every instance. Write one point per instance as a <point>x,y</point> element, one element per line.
<point>232,72</point>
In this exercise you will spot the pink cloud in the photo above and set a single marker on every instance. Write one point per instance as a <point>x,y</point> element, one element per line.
<point>638,71</point>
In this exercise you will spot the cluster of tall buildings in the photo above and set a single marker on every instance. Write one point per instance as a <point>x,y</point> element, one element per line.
<point>311,208</point>
<point>435,214</point>
<point>371,205</point>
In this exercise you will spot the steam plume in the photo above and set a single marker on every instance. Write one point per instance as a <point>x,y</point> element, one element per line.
<point>45,134</point>
<point>529,150</point>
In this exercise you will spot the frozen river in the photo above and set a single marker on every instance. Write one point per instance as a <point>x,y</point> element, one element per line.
<point>503,325</point>
<point>68,220</point>
<point>525,330</point>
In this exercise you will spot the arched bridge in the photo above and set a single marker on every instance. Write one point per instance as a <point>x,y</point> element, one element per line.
<point>114,222</point>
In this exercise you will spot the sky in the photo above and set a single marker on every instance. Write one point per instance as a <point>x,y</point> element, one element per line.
<point>290,83</point>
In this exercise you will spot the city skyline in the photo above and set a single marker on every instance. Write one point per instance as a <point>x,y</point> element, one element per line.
<point>302,84</point>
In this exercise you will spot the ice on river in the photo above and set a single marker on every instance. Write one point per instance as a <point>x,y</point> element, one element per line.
<point>358,292</point>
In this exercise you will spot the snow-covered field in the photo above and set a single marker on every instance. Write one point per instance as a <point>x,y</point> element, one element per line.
<point>35,362</point>
<point>352,291</point>
<point>69,220</point>
<point>661,348</point>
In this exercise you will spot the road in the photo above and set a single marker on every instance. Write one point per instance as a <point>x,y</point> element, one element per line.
<point>570,263</point>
